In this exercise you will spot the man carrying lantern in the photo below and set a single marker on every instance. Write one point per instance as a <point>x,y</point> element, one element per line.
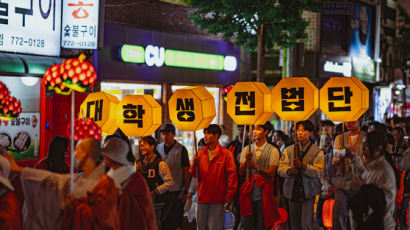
<point>344,176</point>
<point>301,165</point>
<point>92,205</point>
<point>257,206</point>
<point>135,205</point>
<point>217,180</point>
<point>176,157</point>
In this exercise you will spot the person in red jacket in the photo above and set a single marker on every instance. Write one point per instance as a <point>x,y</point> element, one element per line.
<point>217,180</point>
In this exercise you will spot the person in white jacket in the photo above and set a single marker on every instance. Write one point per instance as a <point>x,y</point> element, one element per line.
<point>376,170</point>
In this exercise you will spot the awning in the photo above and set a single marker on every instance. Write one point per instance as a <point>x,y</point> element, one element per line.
<point>17,64</point>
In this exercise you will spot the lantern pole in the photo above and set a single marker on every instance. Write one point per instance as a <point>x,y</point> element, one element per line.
<point>249,150</point>
<point>343,134</point>
<point>243,137</point>
<point>196,154</point>
<point>72,143</point>
<point>296,144</point>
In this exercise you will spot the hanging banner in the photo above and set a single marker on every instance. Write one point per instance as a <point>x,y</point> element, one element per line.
<point>192,108</point>
<point>249,103</point>
<point>80,24</point>
<point>344,99</point>
<point>295,99</point>
<point>138,115</point>
<point>101,107</point>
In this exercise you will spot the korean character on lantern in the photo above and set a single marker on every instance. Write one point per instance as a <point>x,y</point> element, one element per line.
<point>133,114</point>
<point>245,99</point>
<point>185,108</point>
<point>340,94</point>
<point>293,99</point>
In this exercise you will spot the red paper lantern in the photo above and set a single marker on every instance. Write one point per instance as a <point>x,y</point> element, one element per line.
<point>4,93</point>
<point>84,128</point>
<point>78,74</point>
<point>225,92</point>
<point>11,108</point>
<point>327,213</point>
<point>54,81</point>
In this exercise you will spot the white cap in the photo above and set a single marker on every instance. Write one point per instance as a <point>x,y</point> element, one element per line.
<point>117,150</point>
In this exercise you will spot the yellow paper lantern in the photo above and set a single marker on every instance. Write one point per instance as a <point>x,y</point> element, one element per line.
<point>101,107</point>
<point>138,115</point>
<point>344,99</point>
<point>295,99</point>
<point>249,103</point>
<point>191,108</point>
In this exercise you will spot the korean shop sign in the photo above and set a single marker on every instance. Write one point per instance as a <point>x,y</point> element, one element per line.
<point>159,56</point>
<point>138,115</point>
<point>30,26</point>
<point>249,103</point>
<point>192,108</point>
<point>80,24</point>
<point>344,98</point>
<point>101,107</point>
<point>295,98</point>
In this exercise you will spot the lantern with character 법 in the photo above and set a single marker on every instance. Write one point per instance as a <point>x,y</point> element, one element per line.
<point>101,107</point>
<point>138,115</point>
<point>295,99</point>
<point>191,108</point>
<point>249,103</point>
<point>344,99</point>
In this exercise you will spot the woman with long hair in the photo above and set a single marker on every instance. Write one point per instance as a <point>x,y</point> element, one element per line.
<point>55,160</point>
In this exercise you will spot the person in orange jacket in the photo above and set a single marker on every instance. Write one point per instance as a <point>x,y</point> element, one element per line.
<point>217,180</point>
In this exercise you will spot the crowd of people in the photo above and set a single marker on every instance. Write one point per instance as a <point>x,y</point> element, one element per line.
<point>263,179</point>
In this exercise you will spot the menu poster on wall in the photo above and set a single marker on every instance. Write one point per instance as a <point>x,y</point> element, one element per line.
<point>22,135</point>
<point>80,24</point>
<point>30,26</point>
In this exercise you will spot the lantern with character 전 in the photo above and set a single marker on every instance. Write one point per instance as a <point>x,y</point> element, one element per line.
<point>191,108</point>
<point>138,115</point>
<point>249,103</point>
<point>344,99</point>
<point>295,98</point>
<point>101,107</point>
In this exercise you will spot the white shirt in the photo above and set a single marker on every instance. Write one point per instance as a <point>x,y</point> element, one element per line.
<point>120,175</point>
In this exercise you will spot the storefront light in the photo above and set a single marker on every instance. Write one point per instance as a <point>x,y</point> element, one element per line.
<point>334,67</point>
<point>29,81</point>
<point>158,56</point>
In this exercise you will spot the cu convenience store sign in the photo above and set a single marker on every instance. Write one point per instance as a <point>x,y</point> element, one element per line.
<point>35,26</point>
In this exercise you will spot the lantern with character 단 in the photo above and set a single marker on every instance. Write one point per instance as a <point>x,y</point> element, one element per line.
<point>344,99</point>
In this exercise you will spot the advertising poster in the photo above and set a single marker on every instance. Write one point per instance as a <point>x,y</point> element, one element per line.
<point>362,31</point>
<point>22,135</point>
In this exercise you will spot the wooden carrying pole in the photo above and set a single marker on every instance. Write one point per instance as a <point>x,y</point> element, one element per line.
<point>249,150</point>
<point>72,143</point>
<point>196,154</point>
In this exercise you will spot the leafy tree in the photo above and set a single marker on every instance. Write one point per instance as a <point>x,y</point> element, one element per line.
<point>255,24</point>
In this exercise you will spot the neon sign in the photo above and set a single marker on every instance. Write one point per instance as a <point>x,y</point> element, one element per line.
<point>334,67</point>
<point>158,56</point>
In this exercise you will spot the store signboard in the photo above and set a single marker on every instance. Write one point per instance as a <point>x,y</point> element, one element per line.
<point>159,56</point>
<point>30,26</point>
<point>335,66</point>
<point>132,54</point>
<point>80,24</point>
